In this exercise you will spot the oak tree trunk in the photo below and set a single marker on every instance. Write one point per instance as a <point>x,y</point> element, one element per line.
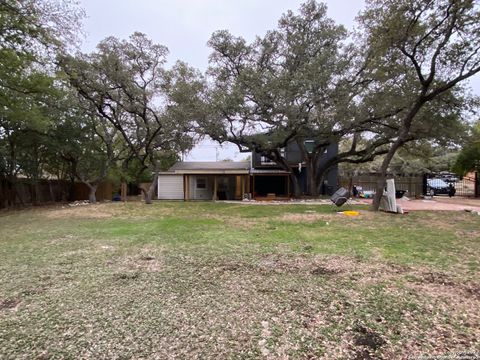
<point>92,197</point>
<point>151,189</point>
<point>319,183</point>
<point>50,189</point>
<point>312,177</point>
<point>297,191</point>
<point>382,177</point>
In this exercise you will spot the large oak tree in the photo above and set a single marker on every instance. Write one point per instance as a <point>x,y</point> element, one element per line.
<point>152,107</point>
<point>427,47</point>
<point>301,81</point>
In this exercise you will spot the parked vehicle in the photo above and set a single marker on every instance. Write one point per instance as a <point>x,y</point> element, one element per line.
<point>448,177</point>
<point>437,186</point>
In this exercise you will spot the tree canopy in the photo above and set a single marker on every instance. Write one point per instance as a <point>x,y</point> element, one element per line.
<point>424,48</point>
<point>308,80</point>
<point>469,157</point>
<point>153,108</point>
<point>32,33</point>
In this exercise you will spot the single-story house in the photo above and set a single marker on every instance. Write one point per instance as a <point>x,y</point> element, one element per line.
<point>220,180</point>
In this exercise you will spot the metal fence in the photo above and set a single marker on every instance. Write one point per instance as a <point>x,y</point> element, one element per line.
<point>467,185</point>
<point>416,186</point>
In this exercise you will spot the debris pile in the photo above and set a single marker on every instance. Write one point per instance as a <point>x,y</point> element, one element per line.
<point>79,203</point>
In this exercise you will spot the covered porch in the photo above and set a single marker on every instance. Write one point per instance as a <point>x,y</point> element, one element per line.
<point>270,184</point>
<point>215,186</point>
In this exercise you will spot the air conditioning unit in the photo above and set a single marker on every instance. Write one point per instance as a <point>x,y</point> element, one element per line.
<point>247,196</point>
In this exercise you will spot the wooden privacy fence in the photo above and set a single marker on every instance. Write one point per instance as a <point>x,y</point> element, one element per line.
<point>104,191</point>
<point>24,192</point>
<point>413,184</point>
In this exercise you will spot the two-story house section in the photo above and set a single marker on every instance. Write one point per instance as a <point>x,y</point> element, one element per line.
<point>267,177</point>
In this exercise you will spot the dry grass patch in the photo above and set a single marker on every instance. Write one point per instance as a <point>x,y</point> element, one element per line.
<point>310,216</point>
<point>212,280</point>
<point>119,210</point>
<point>91,211</point>
<point>432,219</point>
<point>9,304</point>
<point>235,222</point>
<point>145,260</point>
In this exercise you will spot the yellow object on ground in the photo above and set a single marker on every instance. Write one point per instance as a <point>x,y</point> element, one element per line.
<point>350,213</point>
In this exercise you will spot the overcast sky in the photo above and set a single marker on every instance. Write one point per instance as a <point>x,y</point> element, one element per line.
<point>185,26</point>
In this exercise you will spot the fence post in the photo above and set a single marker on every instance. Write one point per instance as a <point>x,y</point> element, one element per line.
<point>477,185</point>
<point>424,184</point>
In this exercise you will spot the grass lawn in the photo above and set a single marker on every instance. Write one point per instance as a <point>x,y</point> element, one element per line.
<point>234,281</point>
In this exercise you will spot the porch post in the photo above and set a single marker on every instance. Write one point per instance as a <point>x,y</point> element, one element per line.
<point>477,185</point>
<point>253,187</point>
<point>214,188</point>
<point>187,187</point>
<point>242,181</point>
<point>288,185</point>
<point>184,188</point>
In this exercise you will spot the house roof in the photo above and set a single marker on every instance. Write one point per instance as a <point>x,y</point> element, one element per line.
<point>268,172</point>
<point>210,167</point>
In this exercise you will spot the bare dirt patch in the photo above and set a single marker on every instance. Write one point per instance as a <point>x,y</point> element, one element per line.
<point>323,271</point>
<point>366,341</point>
<point>9,304</point>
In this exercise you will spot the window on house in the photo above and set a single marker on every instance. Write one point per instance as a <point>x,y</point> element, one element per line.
<point>201,183</point>
<point>266,161</point>
<point>309,145</point>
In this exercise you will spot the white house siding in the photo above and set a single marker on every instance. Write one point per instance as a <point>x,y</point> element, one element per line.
<point>170,187</point>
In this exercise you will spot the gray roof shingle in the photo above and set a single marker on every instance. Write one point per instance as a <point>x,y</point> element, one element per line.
<point>210,165</point>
